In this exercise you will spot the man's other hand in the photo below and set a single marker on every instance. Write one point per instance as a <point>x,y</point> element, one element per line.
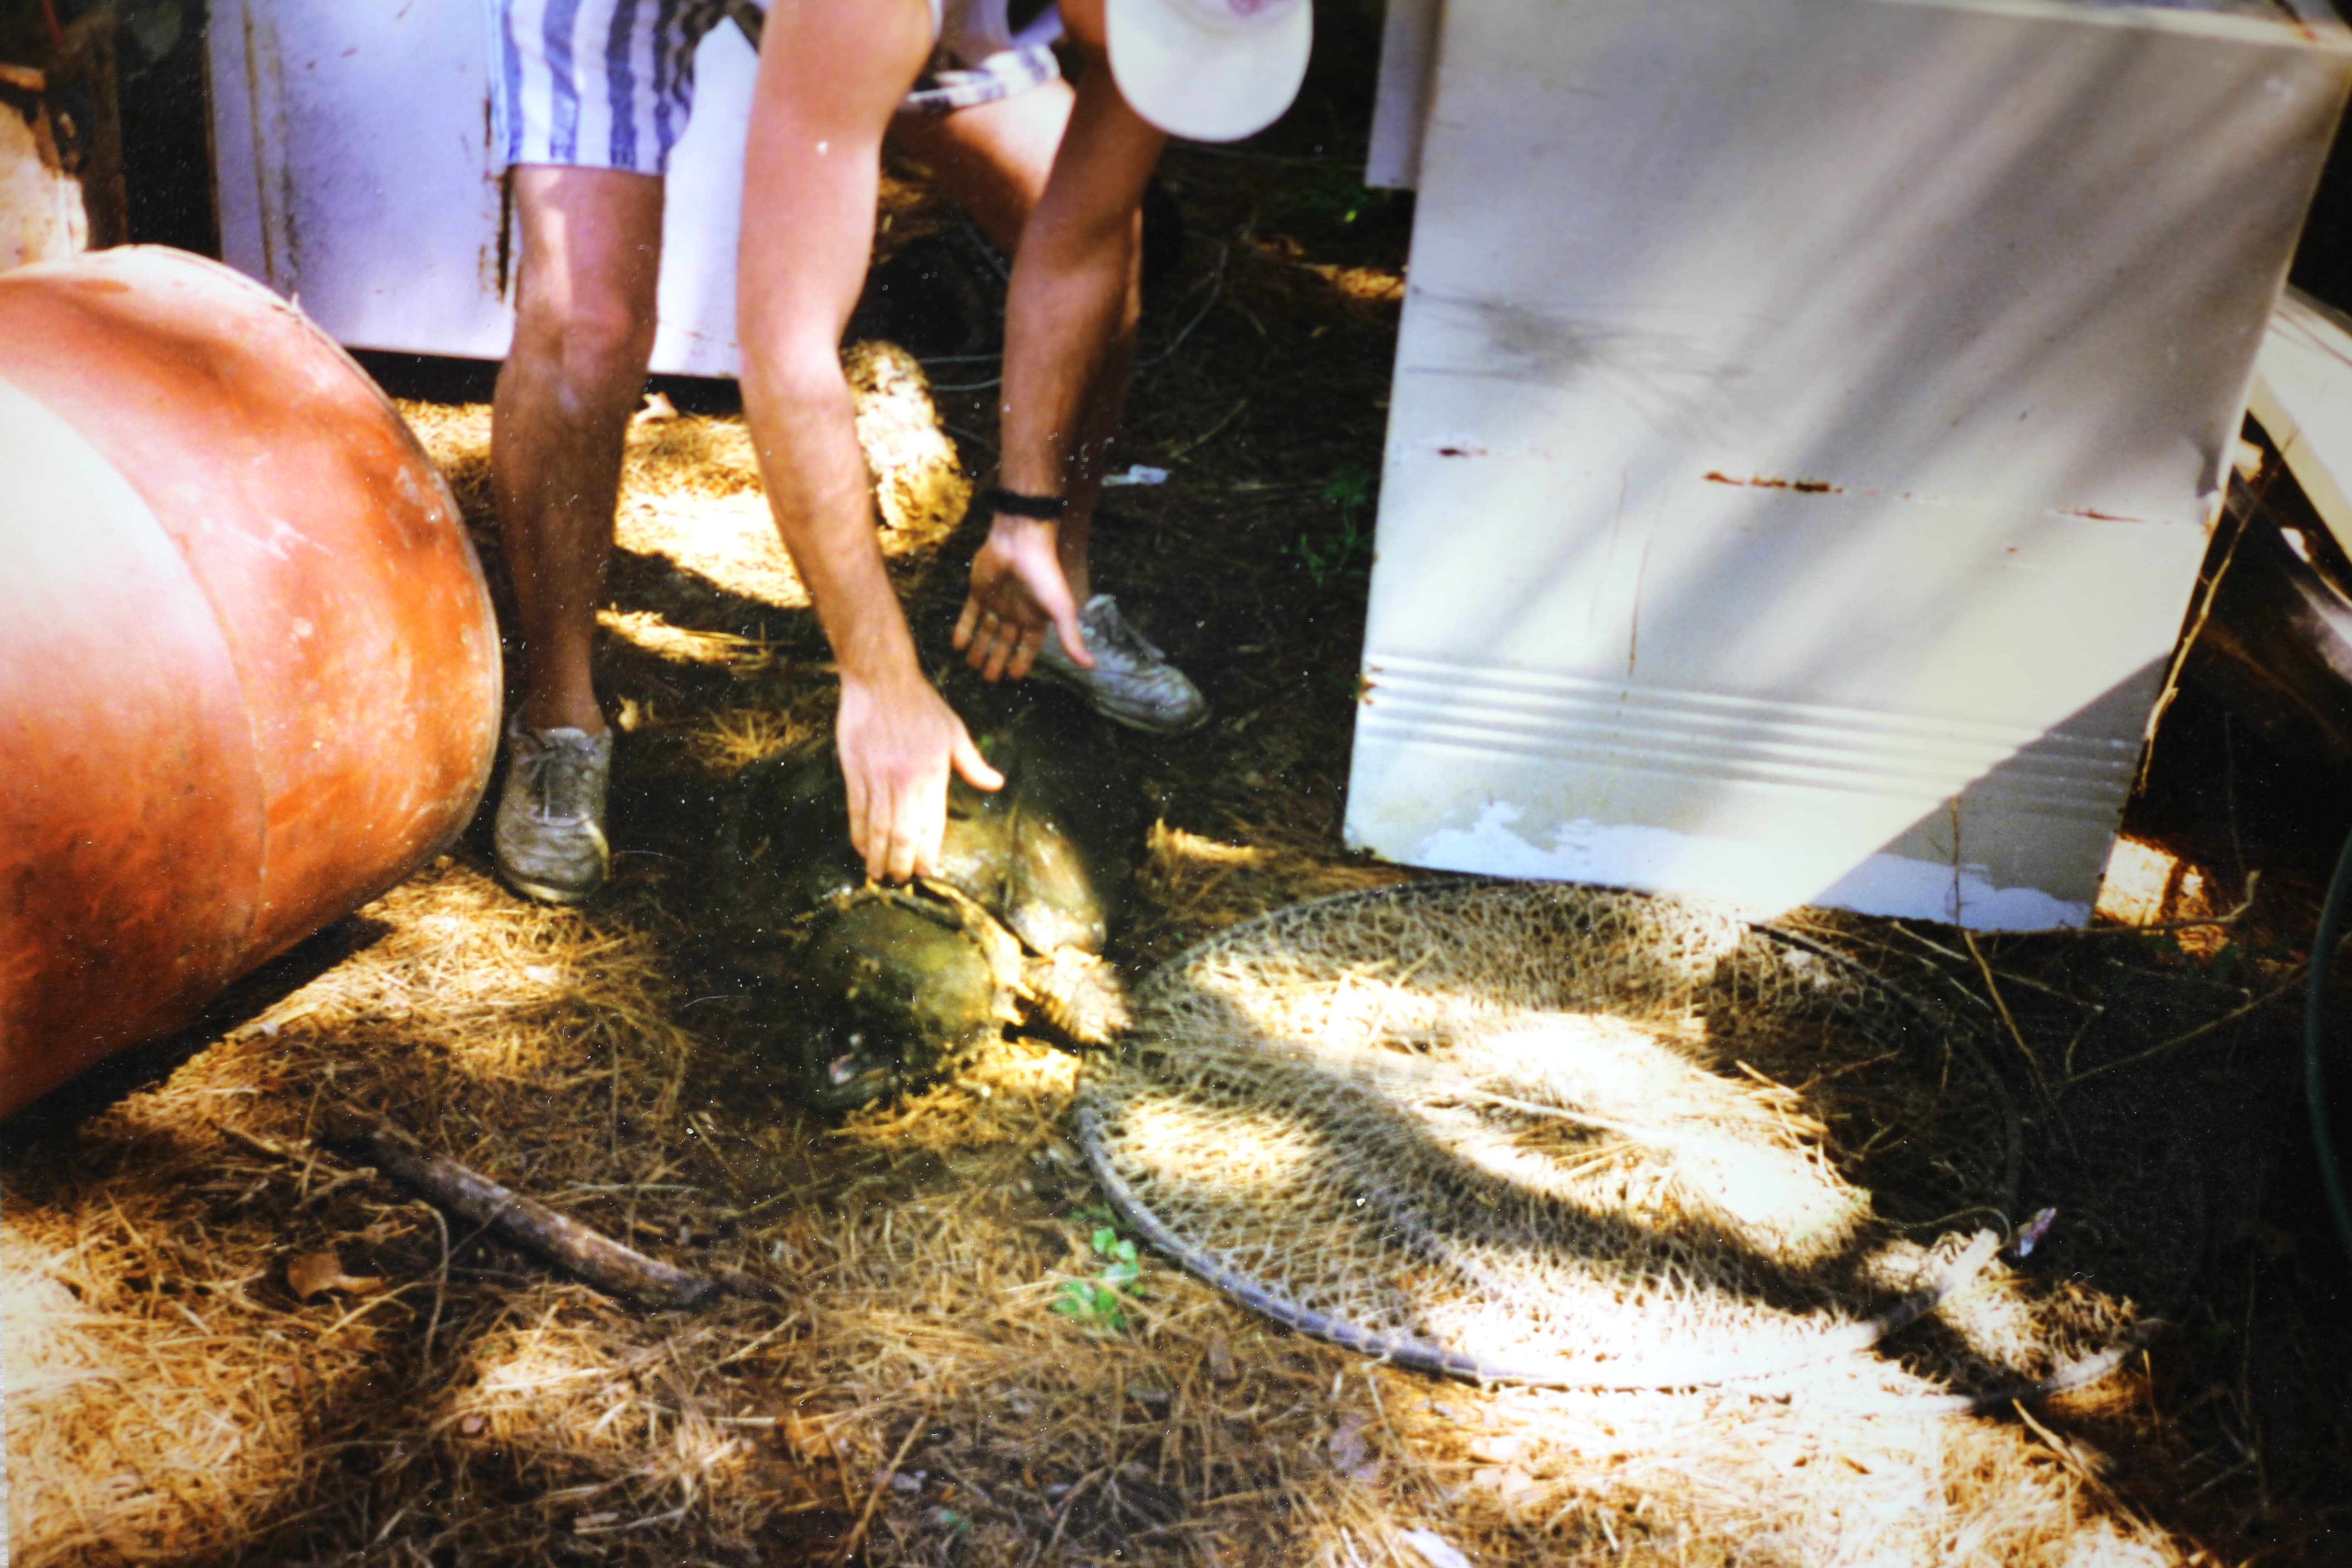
<point>1019,594</point>
<point>897,740</point>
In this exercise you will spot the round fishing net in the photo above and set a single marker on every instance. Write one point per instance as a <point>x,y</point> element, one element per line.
<point>1552,1133</point>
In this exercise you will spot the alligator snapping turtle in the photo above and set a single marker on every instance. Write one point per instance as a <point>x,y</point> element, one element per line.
<point>862,990</point>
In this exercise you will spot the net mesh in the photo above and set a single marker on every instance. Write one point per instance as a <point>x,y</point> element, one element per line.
<point>1550,1132</point>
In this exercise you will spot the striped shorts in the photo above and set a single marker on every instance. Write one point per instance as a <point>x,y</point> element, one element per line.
<point>609,84</point>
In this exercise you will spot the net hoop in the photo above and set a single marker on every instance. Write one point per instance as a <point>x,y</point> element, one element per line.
<point>1715,958</point>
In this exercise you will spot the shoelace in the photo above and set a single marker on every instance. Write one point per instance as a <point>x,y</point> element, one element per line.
<point>561,782</point>
<point>1123,638</point>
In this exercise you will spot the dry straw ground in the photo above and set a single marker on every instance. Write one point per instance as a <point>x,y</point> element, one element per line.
<point>224,1345</point>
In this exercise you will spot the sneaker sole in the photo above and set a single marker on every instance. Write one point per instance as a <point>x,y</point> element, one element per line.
<point>1153,726</point>
<point>547,893</point>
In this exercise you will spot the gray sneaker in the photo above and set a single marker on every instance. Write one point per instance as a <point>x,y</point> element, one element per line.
<point>550,828</point>
<point>1132,683</point>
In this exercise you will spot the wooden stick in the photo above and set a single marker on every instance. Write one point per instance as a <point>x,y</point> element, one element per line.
<point>2256,1005</point>
<point>881,1484</point>
<point>2253,879</point>
<point>2016,1034</point>
<point>594,1256</point>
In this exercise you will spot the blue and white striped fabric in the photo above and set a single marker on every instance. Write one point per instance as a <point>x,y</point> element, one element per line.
<point>609,84</point>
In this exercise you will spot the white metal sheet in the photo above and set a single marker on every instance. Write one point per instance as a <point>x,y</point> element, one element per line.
<point>1809,416</point>
<point>351,148</point>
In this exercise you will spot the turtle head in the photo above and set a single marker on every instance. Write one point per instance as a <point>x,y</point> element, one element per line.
<point>892,989</point>
<point>855,1074</point>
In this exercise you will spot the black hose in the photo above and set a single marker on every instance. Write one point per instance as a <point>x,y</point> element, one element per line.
<point>2314,1040</point>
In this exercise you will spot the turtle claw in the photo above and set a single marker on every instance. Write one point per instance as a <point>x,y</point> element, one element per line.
<point>1079,994</point>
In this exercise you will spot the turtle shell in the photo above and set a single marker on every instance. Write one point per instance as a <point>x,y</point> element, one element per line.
<point>861,990</point>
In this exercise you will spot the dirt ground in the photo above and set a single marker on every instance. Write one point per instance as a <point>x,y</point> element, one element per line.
<point>227,1345</point>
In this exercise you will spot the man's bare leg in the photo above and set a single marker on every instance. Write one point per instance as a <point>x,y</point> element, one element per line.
<point>992,158</point>
<point>591,248</point>
<point>584,332</point>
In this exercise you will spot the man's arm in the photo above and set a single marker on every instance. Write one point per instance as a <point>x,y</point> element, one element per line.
<point>831,72</point>
<point>1069,339</point>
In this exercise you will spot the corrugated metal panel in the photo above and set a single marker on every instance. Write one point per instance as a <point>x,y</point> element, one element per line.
<point>1809,416</point>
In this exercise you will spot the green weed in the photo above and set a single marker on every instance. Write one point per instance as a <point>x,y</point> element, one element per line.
<point>1343,558</point>
<point>1350,489</point>
<point>1097,1303</point>
<point>1331,196</point>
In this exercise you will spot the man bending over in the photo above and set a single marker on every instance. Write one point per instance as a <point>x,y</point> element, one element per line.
<point>1054,176</point>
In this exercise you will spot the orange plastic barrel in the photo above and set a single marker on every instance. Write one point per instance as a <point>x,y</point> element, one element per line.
<point>249,672</point>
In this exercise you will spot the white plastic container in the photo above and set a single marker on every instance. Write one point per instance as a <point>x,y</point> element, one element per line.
<point>1808,421</point>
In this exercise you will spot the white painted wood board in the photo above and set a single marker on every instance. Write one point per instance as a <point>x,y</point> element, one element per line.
<point>1808,421</point>
<point>354,166</point>
<point>2303,399</point>
<point>41,214</point>
<point>1400,105</point>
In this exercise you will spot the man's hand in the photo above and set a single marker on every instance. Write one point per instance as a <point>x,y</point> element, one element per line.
<point>897,739</point>
<point>1019,594</point>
